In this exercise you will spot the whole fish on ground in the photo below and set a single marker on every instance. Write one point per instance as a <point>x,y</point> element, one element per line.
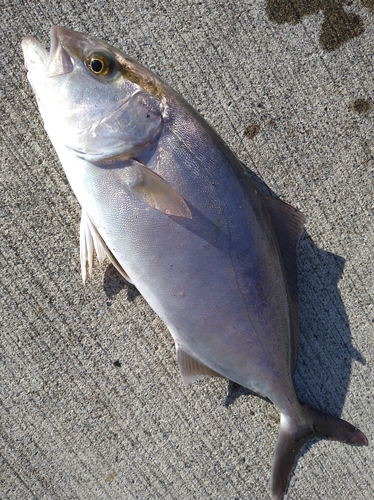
<point>178,215</point>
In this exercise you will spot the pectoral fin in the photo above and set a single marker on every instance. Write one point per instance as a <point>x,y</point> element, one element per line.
<point>91,240</point>
<point>155,191</point>
<point>191,369</point>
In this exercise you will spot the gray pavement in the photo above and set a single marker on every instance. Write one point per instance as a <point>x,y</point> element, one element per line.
<point>92,404</point>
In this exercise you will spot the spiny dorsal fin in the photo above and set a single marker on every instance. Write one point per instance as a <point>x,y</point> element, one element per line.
<point>191,369</point>
<point>91,240</point>
<point>288,223</point>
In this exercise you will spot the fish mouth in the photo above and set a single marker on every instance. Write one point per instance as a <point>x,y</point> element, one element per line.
<point>34,53</point>
<point>53,63</point>
<point>60,61</point>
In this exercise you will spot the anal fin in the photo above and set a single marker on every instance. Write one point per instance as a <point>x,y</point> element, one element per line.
<point>90,241</point>
<point>191,369</point>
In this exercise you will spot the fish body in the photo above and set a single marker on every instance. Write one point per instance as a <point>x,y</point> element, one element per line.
<point>175,211</point>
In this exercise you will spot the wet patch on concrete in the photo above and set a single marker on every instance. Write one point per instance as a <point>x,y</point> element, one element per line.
<point>360,105</point>
<point>338,26</point>
<point>252,130</point>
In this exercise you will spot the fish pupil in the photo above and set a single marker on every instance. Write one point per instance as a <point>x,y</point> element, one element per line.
<point>96,65</point>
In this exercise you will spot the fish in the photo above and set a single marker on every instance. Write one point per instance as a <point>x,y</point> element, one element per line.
<point>178,215</point>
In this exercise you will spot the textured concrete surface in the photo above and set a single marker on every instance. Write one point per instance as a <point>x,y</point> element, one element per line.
<point>92,404</point>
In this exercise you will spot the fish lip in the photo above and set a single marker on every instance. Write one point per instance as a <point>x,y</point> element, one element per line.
<point>68,49</point>
<point>59,35</point>
<point>34,53</point>
<point>60,61</point>
<point>57,60</point>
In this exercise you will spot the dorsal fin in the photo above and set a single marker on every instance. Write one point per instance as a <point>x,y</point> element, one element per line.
<point>91,240</point>
<point>288,223</point>
<point>191,369</point>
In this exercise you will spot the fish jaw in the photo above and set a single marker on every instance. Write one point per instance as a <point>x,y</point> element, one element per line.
<point>36,58</point>
<point>60,59</point>
<point>48,91</point>
<point>36,55</point>
<point>41,64</point>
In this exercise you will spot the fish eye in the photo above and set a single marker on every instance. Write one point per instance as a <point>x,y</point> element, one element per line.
<point>99,63</point>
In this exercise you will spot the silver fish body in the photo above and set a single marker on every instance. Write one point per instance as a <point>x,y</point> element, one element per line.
<point>178,215</point>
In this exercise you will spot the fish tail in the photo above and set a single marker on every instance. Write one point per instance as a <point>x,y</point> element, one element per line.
<point>293,434</point>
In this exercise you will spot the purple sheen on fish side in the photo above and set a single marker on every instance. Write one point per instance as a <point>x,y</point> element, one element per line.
<point>179,216</point>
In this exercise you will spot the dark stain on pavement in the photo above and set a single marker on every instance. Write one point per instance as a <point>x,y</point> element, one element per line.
<point>252,130</point>
<point>338,25</point>
<point>360,105</point>
<point>111,477</point>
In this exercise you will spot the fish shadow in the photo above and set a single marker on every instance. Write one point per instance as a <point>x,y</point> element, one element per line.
<point>326,352</point>
<point>235,391</point>
<point>114,282</point>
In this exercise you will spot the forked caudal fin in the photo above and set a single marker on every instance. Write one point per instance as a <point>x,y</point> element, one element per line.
<point>293,435</point>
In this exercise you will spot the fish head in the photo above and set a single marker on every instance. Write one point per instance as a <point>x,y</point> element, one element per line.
<point>94,99</point>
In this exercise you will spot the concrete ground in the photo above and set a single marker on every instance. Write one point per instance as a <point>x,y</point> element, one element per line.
<point>92,404</point>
